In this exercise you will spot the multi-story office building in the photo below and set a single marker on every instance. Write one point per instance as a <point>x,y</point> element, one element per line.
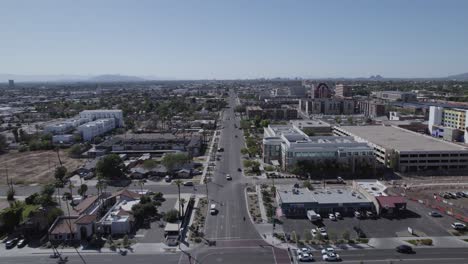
<point>11,84</point>
<point>326,106</point>
<point>287,145</point>
<point>96,128</point>
<point>371,108</point>
<point>396,96</point>
<point>342,90</point>
<point>102,113</point>
<point>407,151</point>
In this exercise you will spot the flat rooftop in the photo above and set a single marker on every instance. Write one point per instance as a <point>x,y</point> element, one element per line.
<point>375,188</point>
<point>309,123</point>
<point>401,139</point>
<point>342,195</point>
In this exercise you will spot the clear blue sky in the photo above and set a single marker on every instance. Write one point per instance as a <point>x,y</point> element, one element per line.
<point>235,39</point>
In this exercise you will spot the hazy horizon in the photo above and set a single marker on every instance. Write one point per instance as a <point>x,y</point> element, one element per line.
<point>235,40</point>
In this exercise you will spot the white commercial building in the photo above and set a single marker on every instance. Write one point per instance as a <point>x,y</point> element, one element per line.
<point>96,128</point>
<point>104,114</point>
<point>118,220</point>
<point>288,144</point>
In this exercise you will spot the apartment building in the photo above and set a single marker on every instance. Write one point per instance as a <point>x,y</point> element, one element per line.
<point>104,114</point>
<point>65,126</point>
<point>407,151</point>
<point>95,128</point>
<point>445,122</point>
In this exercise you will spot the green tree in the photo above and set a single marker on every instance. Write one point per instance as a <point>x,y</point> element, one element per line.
<point>175,160</point>
<point>60,173</point>
<point>110,167</point>
<point>307,184</point>
<point>83,189</point>
<point>125,242</point>
<point>150,164</point>
<point>11,217</point>
<point>11,194</point>
<point>171,216</point>
<point>75,151</point>
<point>143,210</point>
<point>264,122</point>
<point>244,151</point>
<point>178,183</point>
<point>47,193</point>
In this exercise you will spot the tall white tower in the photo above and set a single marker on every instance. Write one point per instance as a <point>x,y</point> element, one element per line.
<point>435,117</point>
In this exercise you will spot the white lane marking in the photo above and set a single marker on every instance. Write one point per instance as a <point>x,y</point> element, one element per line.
<point>274,256</point>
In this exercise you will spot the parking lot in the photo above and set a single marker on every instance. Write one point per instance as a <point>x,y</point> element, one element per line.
<point>417,218</point>
<point>155,234</point>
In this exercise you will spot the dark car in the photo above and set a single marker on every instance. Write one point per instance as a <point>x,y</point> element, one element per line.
<point>404,249</point>
<point>239,169</point>
<point>189,183</point>
<point>22,243</point>
<point>11,243</point>
<point>435,214</point>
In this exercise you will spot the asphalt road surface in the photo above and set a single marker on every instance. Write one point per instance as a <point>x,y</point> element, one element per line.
<point>229,196</point>
<point>260,255</point>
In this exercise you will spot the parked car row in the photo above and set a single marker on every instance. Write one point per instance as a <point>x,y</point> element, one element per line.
<point>16,241</point>
<point>320,230</point>
<point>364,214</point>
<point>453,195</point>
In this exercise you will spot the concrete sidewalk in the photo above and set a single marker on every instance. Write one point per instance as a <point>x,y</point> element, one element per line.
<point>138,248</point>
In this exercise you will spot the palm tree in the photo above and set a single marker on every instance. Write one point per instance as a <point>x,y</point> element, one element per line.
<point>141,183</point>
<point>182,203</point>
<point>70,187</point>
<point>206,186</point>
<point>178,183</point>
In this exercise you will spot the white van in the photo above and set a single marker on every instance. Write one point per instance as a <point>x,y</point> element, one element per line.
<point>313,216</point>
<point>213,209</point>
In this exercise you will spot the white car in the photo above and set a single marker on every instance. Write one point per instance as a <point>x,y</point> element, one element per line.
<point>328,250</point>
<point>313,231</point>
<point>331,257</point>
<point>332,217</point>
<point>303,257</point>
<point>357,214</point>
<point>458,226</point>
<point>323,232</point>
<point>338,215</point>
<point>304,250</point>
<point>228,177</point>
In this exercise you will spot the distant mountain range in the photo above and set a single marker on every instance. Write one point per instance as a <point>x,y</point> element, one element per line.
<point>73,78</point>
<point>461,77</point>
<point>128,78</point>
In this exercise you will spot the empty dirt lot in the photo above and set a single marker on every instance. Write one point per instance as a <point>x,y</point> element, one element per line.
<point>34,166</point>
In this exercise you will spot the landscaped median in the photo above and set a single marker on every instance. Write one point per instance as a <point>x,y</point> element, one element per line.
<point>254,209</point>
<point>420,242</point>
<point>198,224</point>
